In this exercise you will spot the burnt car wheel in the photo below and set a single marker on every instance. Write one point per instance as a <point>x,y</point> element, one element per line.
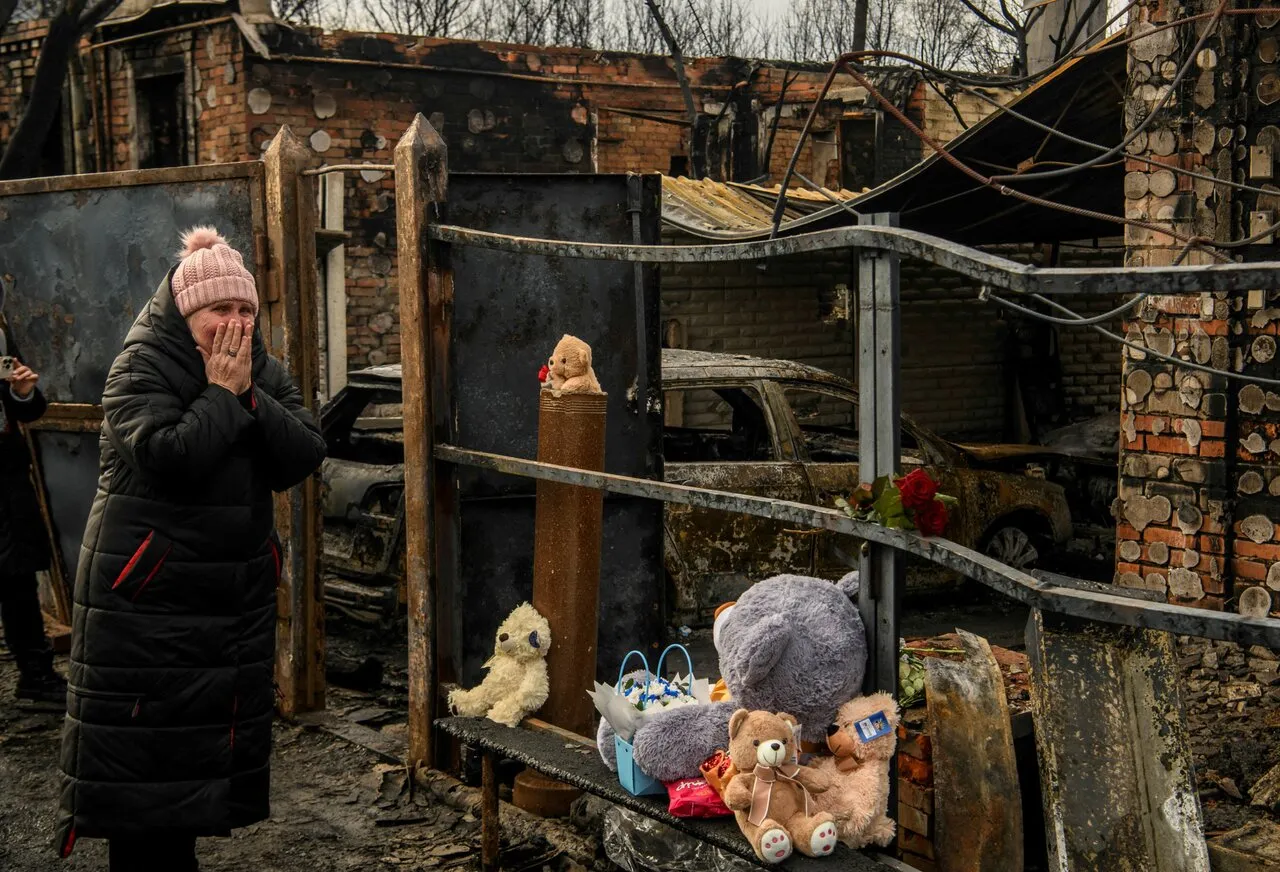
<point>1014,547</point>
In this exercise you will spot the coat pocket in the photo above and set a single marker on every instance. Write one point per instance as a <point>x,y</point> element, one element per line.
<point>120,701</point>
<point>143,566</point>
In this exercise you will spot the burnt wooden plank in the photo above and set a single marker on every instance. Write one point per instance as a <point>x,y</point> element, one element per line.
<point>1115,764</point>
<point>290,334</point>
<point>977,805</point>
<point>421,189</point>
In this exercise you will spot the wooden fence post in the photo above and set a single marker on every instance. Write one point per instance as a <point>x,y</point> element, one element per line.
<point>289,330</point>
<point>426,303</point>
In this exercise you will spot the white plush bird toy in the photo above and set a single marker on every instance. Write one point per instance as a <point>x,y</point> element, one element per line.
<point>517,681</point>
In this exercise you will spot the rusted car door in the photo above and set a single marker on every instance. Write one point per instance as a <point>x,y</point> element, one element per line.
<point>824,424</point>
<point>721,435</point>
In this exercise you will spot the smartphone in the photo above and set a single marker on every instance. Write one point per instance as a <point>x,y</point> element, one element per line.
<point>7,366</point>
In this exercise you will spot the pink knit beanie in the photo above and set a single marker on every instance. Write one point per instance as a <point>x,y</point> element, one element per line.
<point>210,272</point>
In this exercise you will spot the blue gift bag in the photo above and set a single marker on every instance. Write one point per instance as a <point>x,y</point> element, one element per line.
<point>632,778</point>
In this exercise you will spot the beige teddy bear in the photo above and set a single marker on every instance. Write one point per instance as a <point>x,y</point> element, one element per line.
<point>570,369</point>
<point>772,796</point>
<point>859,770</point>
<point>517,681</point>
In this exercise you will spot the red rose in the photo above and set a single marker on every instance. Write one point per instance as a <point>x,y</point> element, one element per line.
<point>932,519</point>
<point>917,489</point>
<point>543,373</point>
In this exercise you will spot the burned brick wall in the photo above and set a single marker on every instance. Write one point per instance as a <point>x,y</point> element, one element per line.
<point>1091,362</point>
<point>1200,472</point>
<point>19,48</point>
<point>956,354</point>
<point>19,51</point>
<point>790,311</point>
<point>172,99</point>
<point>178,86</point>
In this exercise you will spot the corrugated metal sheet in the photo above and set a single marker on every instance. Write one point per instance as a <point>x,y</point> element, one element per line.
<point>1084,98</point>
<point>720,210</point>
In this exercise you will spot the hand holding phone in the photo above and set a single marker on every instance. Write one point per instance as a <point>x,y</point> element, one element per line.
<point>22,379</point>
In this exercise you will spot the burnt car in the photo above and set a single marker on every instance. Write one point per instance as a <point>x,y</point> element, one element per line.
<point>743,424</point>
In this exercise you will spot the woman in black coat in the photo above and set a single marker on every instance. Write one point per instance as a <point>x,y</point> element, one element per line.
<point>171,690</point>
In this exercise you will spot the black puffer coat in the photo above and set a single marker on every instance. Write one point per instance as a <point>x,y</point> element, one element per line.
<point>24,544</point>
<point>171,690</point>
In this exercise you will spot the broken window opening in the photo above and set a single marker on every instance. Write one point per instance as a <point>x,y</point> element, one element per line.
<point>721,424</point>
<point>162,121</point>
<point>679,165</point>
<point>828,425</point>
<point>858,153</point>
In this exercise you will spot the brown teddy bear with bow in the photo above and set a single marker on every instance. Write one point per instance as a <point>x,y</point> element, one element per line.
<point>772,795</point>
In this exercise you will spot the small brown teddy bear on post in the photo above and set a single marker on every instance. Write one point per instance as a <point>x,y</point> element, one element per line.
<point>771,794</point>
<point>569,369</point>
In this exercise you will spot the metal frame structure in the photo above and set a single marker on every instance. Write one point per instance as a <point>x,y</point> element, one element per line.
<point>430,458</point>
<point>426,297</point>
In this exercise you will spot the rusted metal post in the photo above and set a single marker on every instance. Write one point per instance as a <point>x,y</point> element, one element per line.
<point>977,804</point>
<point>566,577</point>
<point>490,816</point>
<point>566,553</point>
<point>426,303</point>
<point>289,330</point>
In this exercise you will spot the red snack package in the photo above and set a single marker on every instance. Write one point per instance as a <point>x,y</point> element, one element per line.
<point>695,798</point>
<point>718,770</point>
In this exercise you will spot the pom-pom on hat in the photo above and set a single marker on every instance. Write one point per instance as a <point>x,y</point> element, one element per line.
<point>210,272</point>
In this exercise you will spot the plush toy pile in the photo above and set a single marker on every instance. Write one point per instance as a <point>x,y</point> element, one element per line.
<point>797,645</point>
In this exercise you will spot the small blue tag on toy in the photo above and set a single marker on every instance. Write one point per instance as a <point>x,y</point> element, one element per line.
<point>873,727</point>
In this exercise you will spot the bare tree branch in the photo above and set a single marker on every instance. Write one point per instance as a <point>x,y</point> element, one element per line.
<point>7,8</point>
<point>1081,23</point>
<point>22,152</point>
<point>96,12</point>
<point>1003,28</point>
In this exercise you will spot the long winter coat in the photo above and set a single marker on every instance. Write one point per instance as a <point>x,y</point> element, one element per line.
<point>171,690</point>
<point>24,544</point>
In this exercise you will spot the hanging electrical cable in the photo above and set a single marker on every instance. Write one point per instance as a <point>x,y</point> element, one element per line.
<point>1078,320</point>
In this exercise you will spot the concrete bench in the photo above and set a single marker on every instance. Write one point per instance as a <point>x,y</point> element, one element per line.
<point>573,759</point>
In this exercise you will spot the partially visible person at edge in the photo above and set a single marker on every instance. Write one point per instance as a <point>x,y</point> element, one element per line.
<point>24,545</point>
<point>171,691</point>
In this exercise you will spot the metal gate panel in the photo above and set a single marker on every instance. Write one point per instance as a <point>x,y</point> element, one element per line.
<point>509,312</point>
<point>79,258</point>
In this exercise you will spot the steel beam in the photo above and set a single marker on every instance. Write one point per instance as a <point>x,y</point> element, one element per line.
<point>879,444</point>
<point>1036,593</point>
<point>983,267</point>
